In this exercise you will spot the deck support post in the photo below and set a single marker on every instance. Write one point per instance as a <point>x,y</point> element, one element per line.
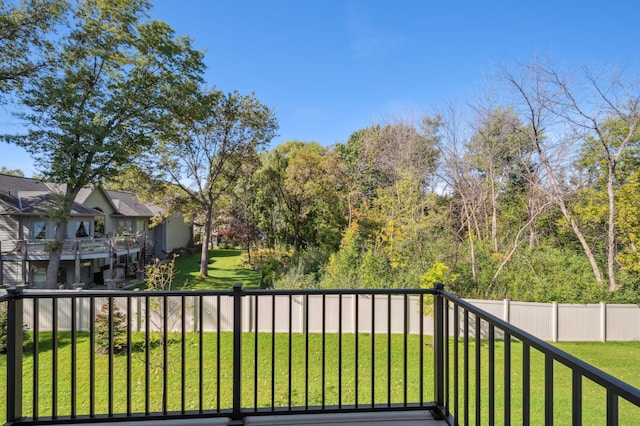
<point>14,355</point>
<point>438,344</point>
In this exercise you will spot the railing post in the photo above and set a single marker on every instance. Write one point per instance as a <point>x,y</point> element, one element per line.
<point>236,415</point>
<point>438,344</point>
<point>14,355</point>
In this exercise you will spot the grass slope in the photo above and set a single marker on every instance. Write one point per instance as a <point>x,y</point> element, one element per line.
<point>225,269</point>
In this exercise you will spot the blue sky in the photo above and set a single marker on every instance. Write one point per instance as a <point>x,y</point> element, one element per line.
<point>331,67</point>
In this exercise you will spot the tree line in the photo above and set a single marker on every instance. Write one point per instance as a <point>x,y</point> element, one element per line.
<point>528,192</point>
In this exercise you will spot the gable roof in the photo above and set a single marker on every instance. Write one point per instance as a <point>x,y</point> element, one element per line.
<point>127,204</point>
<point>27,196</point>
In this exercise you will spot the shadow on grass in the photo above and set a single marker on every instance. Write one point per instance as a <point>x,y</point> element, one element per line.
<point>225,252</point>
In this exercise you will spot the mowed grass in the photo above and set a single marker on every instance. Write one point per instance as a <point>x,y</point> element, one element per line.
<point>298,379</point>
<point>601,355</point>
<point>224,270</point>
<point>301,380</point>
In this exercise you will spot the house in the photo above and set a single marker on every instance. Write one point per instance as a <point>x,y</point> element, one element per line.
<point>108,237</point>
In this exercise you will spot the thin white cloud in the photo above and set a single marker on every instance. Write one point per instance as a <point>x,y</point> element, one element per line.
<point>367,40</point>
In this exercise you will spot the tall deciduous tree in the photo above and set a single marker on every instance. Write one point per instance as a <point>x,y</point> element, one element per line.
<point>302,190</point>
<point>205,145</point>
<point>99,100</point>
<point>536,96</point>
<point>24,45</point>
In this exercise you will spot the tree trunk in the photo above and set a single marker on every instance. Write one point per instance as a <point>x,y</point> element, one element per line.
<point>204,253</point>
<point>55,254</point>
<point>611,237</point>
<point>61,212</point>
<point>494,215</point>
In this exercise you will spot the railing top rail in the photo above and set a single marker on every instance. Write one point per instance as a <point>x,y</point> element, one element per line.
<point>36,293</point>
<point>604,379</point>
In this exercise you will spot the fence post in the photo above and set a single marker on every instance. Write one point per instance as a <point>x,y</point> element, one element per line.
<point>236,415</point>
<point>554,321</point>
<point>506,314</point>
<point>603,322</point>
<point>14,355</point>
<point>438,344</point>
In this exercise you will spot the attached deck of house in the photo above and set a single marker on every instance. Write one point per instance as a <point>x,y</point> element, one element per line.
<point>264,357</point>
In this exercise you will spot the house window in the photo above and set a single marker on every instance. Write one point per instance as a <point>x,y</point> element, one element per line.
<point>124,226</point>
<point>39,230</point>
<point>140,225</point>
<point>99,223</point>
<point>38,276</point>
<point>82,229</point>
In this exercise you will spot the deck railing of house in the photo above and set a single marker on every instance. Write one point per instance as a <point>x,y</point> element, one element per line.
<point>297,351</point>
<point>70,246</point>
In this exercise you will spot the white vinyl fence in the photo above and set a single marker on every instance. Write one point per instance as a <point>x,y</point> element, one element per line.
<point>560,322</point>
<point>548,321</point>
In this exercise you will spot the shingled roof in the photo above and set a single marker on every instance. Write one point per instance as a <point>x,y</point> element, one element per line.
<point>127,204</point>
<point>27,196</point>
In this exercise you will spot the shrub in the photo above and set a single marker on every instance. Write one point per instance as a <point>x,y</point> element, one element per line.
<point>4,320</point>
<point>119,329</point>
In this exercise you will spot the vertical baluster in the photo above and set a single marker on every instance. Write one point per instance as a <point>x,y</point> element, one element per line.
<point>373,350</point>
<point>421,350</point>
<point>447,367</point>
<point>478,362</point>
<point>492,373</point>
<point>526,384</point>
<point>507,378</point>
<point>340,350</point>
<point>110,303</point>
<point>92,357</point>
<point>465,358</point>
<point>273,352</point>
<point>147,353</point>
<point>405,351</point>
<point>388,350</point>
<point>306,352</point>
<point>54,358</point>
<point>324,346</point>
<point>36,358</point>
<point>183,353</point>
<point>456,362</point>
<point>548,389</point>
<point>165,354</point>
<point>200,353</point>
<point>576,398</point>
<point>74,362</point>
<point>356,348</point>
<point>218,344</point>
<point>255,353</point>
<point>290,347</point>
<point>129,355</point>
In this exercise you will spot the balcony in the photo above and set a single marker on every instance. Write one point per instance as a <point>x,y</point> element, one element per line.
<point>401,356</point>
<point>82,248</point>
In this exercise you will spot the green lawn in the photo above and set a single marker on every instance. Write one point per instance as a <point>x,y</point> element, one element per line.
<point>618,358</point>
<point>225,269</point>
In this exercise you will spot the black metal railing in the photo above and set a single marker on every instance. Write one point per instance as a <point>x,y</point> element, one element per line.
<point>106,356</point>
<point>495,373</point>
<point>116,355</point>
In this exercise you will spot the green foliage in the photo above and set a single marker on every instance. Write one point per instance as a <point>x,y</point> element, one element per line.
<point>106,87</point>
<point>160,274</point>
<point>3,329</point>
<point>272,263</point>
<point>25,32</point>
<point>343,266</point>
<point>118,331</point>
